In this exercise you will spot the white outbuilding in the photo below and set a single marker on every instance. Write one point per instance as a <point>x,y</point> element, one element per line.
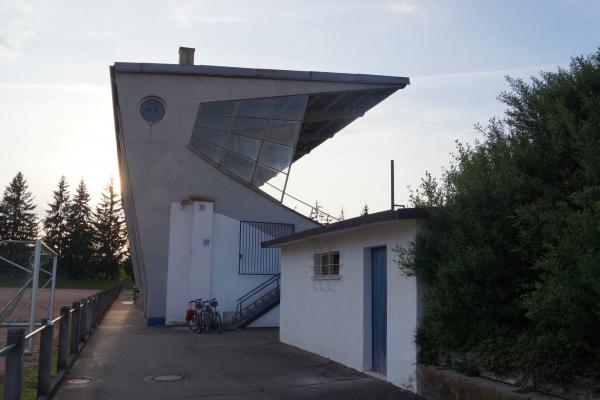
<point>343,295</point>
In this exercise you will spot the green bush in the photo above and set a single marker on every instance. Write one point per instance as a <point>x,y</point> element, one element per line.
<point>511,256</point>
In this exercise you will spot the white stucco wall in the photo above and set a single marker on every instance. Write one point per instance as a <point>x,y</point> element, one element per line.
<point>203,262</point>
<point>332,317</point>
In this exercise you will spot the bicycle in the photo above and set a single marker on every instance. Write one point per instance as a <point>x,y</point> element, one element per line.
<point>192,314</point>
<point>209,318</point>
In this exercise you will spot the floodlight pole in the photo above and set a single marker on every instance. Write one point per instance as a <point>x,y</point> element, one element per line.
<point>392,184</point>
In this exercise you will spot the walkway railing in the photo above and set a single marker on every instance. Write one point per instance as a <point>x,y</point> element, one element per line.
<point>75,325</point>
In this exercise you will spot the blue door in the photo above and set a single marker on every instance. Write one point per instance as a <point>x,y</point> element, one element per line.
<point>379,308</point>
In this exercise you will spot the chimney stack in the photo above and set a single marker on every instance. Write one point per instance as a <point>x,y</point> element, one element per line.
<point>186,56</point>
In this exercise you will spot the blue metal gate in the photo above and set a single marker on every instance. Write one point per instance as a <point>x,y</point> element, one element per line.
<point>379,309</point>
<point>254,260</point>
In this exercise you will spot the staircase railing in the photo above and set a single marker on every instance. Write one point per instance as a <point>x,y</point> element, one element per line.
<point>254,295</point>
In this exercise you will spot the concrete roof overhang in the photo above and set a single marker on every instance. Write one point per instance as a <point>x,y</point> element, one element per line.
<point>348,225</point>
<point>326,113</point>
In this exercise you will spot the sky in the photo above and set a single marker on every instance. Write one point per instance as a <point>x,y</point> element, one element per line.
<point>56,106</point>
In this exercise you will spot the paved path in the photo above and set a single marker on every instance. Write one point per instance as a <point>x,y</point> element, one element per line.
<point>242,365</point>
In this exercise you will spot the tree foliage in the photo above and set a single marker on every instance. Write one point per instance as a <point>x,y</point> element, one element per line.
<point>80,234</point>
<point>17,218</point>
<point>55,223</point>
<point>511,256</point>
<point>109,234</point>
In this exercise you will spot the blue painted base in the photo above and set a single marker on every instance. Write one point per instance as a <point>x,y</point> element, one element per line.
<point>154,321</point>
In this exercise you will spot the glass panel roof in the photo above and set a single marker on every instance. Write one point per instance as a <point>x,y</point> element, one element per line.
<point>252,138</point>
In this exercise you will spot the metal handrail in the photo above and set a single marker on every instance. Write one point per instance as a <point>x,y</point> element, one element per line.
<point>240,302</point>
<point>260,298</point>
<point>7,348</point>
<point>312,208</point>
<point>259,287</point>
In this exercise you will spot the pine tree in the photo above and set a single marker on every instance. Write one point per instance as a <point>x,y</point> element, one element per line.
<point>109,234</point>
<point>79,234</point>
<point>17,219</point>
<point>55,223</point>
<point>365,210</point>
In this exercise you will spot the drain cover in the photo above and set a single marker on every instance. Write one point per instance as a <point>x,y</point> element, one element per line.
<point>165,378</point>
<point>79,381</point>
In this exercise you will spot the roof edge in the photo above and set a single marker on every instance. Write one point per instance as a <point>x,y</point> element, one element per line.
<point>257,73</point>
<point>349,224</point>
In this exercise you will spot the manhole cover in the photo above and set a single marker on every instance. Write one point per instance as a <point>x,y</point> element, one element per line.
<point>79,381</point>
<point>165,378</point>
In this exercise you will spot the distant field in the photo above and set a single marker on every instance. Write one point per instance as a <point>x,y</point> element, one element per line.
<point>11,282</point>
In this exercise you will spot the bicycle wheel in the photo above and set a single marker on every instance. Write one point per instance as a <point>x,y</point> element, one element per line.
<point>218,323</point>
<point>203,325</point>
<point>208,318</point>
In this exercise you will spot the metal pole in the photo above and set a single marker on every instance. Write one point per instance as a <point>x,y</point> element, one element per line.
<point>34,290</point>
<point>45,360</point>
<point>392,183</point>
<point>63,338</point>
<point>287,176</point>
<point>54,265</point>
<point>13,372</point>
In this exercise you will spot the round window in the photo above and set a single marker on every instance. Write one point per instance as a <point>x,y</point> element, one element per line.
<point>152,110</point>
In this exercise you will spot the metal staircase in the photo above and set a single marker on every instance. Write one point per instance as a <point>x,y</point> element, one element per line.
<point>257,302</point>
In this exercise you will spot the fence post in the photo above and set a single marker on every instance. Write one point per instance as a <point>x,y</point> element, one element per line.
<point>45,359</point>
<point>75,328</point>
<point>13,371</point>
<point>82,320</point>
<point>63,338</point>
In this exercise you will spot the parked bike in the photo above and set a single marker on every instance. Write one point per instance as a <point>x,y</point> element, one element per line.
<point>203,316</point>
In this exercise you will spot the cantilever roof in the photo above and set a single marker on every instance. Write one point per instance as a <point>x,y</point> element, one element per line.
<point>234,72</point>
<point>326,112</point>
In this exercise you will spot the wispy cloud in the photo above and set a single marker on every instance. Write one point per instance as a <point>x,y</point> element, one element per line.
<point>403,6</point>
<point>203,13</point>
<point>486,74</point>
<point>87,89</point>
<point>12,36</point>
<point>14,27</point>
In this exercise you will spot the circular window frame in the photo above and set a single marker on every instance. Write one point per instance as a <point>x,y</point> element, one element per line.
<point>161,101</point>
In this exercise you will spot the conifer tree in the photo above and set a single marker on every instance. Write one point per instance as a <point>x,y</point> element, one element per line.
<point>55,223</point>
<point>79,234</point>
<point>365,210</point>
<point>17,219</point>
<point>109,234</point>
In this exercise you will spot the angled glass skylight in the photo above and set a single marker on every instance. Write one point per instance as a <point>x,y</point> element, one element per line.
<point>254,139</point>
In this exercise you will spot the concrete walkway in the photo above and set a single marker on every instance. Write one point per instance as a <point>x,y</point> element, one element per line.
<point>250,364</point>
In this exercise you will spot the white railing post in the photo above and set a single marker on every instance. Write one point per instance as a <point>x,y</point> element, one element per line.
<point>54,266</point>
<point>34,288</point>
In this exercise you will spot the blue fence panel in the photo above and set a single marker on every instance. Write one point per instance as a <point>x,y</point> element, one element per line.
<point>255,260</point>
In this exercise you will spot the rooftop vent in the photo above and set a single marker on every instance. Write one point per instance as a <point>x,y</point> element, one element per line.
<point>186,56</point>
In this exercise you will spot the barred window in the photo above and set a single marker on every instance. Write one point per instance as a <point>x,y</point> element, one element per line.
<point>327,264</point>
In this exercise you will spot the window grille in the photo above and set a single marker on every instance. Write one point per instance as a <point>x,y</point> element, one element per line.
<point>327,264</point>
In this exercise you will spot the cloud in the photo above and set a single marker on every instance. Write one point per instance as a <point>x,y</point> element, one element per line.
<point>14,28</point>
<point>403,6</point>
<point>12,36</point>
<point>201,13</point>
